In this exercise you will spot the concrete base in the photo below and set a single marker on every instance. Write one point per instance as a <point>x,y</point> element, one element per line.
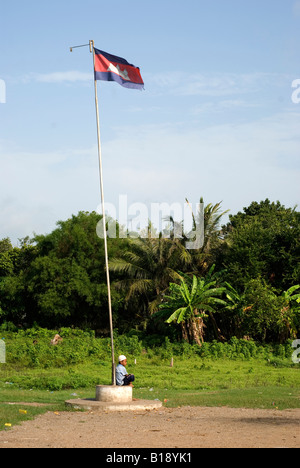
<point>114,393</point>
<point>93,405</point>
<point>113,398</point>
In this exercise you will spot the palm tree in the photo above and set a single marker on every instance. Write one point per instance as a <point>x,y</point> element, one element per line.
<point>212,231</point>
<point>188,303</point>
<point>147,268</point>
<point>289,312</point>
<point>236,308</point>
<point>149,265</point>
<point>289,295</point>
<point>211,216</point>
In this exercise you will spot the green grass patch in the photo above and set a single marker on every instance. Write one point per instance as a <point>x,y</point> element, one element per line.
<point>236,374</point>
<point>14,410</point>
<point>278,398</point>
<point>11,415</point>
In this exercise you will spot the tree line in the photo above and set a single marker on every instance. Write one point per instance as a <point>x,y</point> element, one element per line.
<point>244,281</point>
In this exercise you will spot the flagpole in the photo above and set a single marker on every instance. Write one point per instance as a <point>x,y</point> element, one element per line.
<point>92,50</point>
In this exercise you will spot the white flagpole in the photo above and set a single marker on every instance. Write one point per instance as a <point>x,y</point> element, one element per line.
<point>92,50</point>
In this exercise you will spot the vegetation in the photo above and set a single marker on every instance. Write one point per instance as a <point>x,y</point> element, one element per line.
<point>189,303</point>
<point>227,312</point>
<point>243,281</point>
<point>78,360</point>
<point>239,373</point>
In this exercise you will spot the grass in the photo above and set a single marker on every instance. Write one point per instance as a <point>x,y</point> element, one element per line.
<point>257,397</point>
<point>278,398</point>
<point>11,415</point>
<point>16,413</point>
<point>194,382</point>
<point>237,374</point>
<point>207,374</point>
<point>197,382</point>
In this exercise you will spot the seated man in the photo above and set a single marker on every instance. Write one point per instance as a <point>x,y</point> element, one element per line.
<point>122,378</point>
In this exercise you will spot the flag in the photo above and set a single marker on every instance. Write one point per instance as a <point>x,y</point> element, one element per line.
<point>112,68</point>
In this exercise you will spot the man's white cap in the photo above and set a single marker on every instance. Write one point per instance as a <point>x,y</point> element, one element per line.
<point>122,358</point>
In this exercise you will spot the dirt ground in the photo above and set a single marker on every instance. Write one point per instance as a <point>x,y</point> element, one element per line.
<point>185,427</point>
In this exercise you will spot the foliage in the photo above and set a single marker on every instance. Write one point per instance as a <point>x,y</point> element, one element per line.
<point>263,241</point>
<point>147,268</point>
<point>268,316</point>
<point>189,303</point>
<point>59,280</point>
<point>212,215</point>
<point>82,361</point>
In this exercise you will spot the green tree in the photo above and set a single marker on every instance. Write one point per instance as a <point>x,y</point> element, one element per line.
<point>201,258</point>
<point>148,265</point>
<point>189,302</point>
<point>15,262</point>
<point>289,320</point>
<point>145,270</point>
<point>234,311</point>
<point>267,316</point>
<point>59,279</point>
<point>68,280</point>
<point>263,241</point>
<point>5,245</point>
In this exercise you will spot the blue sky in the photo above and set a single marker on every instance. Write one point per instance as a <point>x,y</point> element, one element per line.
<point>216,118</point>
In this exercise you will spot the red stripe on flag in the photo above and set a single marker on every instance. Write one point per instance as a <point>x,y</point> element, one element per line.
<point>127,72</point>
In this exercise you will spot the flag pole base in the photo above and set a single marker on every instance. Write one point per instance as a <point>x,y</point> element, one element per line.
<point>113,398</point>
<point>114,393</point>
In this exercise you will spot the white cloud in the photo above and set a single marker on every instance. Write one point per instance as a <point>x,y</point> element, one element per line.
<point>220,106</point>
<point>63,77</point>
<point>38,189</point>
<point>236,163</point>
<point>213,84</point>
<point>71,76</point>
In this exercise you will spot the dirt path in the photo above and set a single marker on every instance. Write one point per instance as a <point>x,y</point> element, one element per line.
<point>185,427</point>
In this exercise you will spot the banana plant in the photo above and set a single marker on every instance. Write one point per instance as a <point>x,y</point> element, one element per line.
<point>189,303</point>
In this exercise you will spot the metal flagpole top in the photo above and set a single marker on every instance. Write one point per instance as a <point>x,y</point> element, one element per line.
<point>77,46</point>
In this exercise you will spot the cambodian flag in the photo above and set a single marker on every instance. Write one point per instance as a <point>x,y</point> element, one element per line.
<point>112,68</point>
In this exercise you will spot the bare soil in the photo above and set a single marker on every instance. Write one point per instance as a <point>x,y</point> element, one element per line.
<point>185,427</point>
